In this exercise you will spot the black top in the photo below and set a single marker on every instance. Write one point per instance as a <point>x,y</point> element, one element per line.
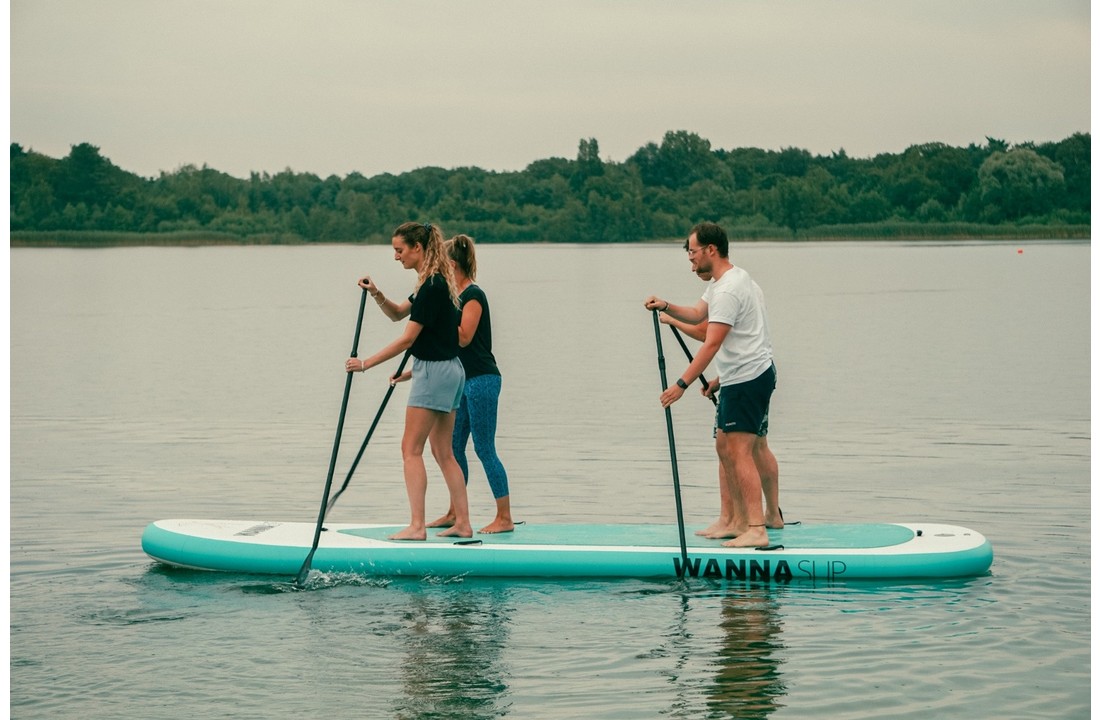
<point>477,357</point>
<point>433,309</point>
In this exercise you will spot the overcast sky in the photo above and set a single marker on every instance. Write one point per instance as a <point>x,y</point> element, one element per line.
<point>332,87</point>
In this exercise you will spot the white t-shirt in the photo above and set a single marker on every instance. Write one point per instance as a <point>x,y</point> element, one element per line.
<point>736,300</point>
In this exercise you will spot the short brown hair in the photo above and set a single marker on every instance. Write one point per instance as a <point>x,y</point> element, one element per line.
<point>708,233</point>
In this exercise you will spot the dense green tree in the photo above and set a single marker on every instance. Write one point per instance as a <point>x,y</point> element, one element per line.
<point>798,203</point>
<point>682,159</point>
<point>792,162</point>
<point>1074,155</point>
<point>32,190</point>
<point>950,169</point>
<point>588,165</point>
<point>85,176</point>
<point>907,187</point>
<point>1018,183</point>
<point>868,206</point>
<point>747,165</point>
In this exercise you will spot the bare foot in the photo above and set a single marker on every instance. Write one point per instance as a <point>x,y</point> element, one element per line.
<point>773,522</point>
<point>410,533</point>
<point>498,526</point>
<point>705,532</point>
<point>446,521</point>
<point>755,536</point>
<point>464,531</point>
<point>729,530</point>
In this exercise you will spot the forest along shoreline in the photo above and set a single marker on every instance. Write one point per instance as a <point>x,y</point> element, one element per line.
<point>994,191</point>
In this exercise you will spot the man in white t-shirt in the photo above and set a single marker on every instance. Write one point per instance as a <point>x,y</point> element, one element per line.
<point>766,464</point>
<point>737,339</point>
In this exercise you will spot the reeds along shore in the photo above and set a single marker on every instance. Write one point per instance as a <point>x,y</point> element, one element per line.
<point>902,231</point>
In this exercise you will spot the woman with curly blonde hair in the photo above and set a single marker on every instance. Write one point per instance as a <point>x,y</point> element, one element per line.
<point>431,336</point>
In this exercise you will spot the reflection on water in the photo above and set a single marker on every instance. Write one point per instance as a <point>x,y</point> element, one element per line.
<point>747,683</point>
<point>728,653</point>
<point>451,642</point>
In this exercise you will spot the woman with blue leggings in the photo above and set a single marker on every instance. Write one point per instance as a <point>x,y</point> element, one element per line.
<point>477,413</point>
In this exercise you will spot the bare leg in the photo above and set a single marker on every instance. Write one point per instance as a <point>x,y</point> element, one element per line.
<point>723,507</point>
<point>418,424</point>
<point>732,521</point>
<point>440,439</point>
<point>768,468</point>
<point>458,446</point>
<point>747,493</point>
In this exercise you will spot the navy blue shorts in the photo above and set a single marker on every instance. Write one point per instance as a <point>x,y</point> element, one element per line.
<point>743,407</point>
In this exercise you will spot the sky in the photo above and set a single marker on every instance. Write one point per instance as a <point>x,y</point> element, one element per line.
<point>333,87</point>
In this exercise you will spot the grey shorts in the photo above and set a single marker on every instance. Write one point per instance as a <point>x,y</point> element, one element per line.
<point>437,384</point>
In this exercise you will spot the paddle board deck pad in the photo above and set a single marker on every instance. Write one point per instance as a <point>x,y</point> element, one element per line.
<point>824,552</point>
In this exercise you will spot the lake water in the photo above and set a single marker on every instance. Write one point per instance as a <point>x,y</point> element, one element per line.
<point>917,382</point>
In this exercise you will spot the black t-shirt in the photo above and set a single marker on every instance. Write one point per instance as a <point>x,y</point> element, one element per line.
<point>433,309</point>
<point>477,357</point>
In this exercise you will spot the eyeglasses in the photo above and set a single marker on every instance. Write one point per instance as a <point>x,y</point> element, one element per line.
<point>692,252</point>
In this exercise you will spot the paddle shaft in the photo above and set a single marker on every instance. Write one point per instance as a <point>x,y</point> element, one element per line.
<point>304,572</point>
<point>370,432</point>
<point>671,449</point>
<point>687,352</point>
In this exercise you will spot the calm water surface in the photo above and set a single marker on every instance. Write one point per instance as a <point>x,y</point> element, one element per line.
<point>947,383</point>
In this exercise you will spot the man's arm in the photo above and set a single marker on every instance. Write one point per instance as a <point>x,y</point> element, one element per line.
<point>690,314</point>
<point>697,331</point>
<point>716,333</point>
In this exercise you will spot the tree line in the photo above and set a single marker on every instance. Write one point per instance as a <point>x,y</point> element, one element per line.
<point>657,193</point>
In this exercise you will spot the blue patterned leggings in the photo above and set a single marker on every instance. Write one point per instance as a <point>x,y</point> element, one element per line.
<point>477,415</point>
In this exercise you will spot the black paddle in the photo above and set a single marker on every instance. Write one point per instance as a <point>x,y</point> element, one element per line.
<point>304,572</point>
<point>373,425</point>
<point>672,450</point>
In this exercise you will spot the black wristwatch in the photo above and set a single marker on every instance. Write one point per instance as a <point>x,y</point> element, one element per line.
<point>683,385</point>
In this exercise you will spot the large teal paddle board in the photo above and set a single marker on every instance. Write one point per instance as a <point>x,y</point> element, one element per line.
<point>824,552</point>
